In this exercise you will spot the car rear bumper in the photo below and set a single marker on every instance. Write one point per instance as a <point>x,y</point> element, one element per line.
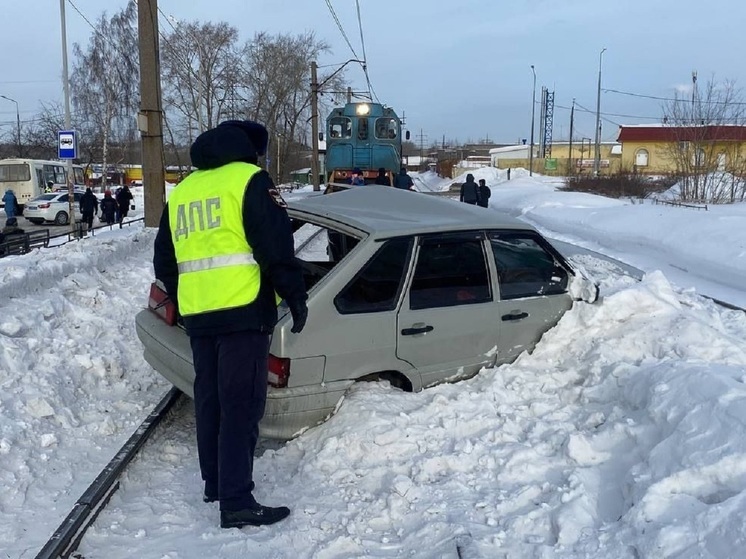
<point>288,411</point>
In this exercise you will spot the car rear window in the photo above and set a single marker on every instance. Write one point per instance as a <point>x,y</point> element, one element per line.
<point>378,285</point>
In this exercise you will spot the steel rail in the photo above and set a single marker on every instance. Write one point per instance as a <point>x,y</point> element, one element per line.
<point>67,537</point>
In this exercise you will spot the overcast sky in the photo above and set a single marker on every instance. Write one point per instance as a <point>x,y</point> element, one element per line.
<point>460,69</point>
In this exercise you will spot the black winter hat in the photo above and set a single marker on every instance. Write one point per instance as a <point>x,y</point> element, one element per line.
<point>256,132</point>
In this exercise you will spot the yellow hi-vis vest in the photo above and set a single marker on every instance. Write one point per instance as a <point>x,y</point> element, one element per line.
<point>217,270</point>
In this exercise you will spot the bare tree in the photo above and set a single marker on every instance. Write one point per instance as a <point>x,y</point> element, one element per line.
<point>279,92</point>
<point>708,143</point>
<point>105,82</point>
<point>201,74</point>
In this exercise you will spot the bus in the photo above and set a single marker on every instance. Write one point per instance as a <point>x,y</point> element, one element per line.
<point>28,178</point>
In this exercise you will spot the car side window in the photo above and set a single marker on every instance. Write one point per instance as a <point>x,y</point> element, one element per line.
<point>77,196</point>
<point>63,198</point>
<point>377,286</point>
<point>525,268</point>
<point>450,271</point>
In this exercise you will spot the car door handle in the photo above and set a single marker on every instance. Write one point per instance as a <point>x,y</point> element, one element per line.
<point>416,330</point>
<point>514,316</point>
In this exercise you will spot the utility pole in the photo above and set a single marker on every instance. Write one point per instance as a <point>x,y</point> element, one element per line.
<point>315,128</point>
<point>533,111</point>
<point>68,119</point>
<point>18,122</point>
<point>571,167</point>
<point>597,160</point>
<point>149,119</point>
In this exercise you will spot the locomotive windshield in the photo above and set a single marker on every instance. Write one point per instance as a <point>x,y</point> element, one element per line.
<point>386,128</point>
<point>340,127</point>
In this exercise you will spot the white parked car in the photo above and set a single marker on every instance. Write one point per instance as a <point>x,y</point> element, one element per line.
<point>54,207</point>
<point>403,287</point>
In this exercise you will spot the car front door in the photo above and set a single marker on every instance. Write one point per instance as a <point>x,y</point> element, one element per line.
<point>446,326</point>
<point>533,285</point>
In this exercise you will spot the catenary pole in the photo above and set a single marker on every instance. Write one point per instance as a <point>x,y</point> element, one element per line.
<point>68,119</point>
<point>597,160</point>
<point>314,128</point>
<point>533,112</point>
<point>149,119</point>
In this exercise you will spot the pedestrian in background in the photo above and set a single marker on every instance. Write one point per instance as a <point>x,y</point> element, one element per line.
<point>383,178</point>
<point>109,208</point>
<point>484,194</point>
<point>223,272</point>
<point>357,179</point>
<point>403,180</point>
<point>123,201</point>
<point>11,203</point>
<point>88,207</point>
<point>469,191</point>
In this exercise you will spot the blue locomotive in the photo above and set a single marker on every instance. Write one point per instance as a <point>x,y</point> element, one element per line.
<point>362,135</point>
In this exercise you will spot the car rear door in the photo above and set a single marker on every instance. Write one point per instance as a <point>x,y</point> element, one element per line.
<point>446,326</point>
<point>533,289</point>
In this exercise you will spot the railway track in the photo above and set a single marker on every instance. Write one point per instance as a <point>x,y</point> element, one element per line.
<point>67,537</point>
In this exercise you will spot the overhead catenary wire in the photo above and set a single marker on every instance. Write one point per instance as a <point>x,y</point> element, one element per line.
<point>341,29</point>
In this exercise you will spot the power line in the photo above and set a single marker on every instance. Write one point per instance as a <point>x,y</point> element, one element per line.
<point>371,93</point>
<point>341,29</point>
<point>673,99</point>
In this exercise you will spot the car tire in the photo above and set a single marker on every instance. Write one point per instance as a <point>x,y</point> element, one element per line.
<point>61,218</point>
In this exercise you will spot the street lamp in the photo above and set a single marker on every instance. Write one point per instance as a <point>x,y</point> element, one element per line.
<point>533,112</point>
<point>18,122</point>
<point>597,160</point>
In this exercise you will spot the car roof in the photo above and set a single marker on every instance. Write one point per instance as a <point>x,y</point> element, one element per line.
<point>387,211</point>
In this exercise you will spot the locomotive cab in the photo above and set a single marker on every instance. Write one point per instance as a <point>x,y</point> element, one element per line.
<point>364,135</point>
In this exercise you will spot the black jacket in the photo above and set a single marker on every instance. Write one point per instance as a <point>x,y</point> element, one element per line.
<point>123,198</point>
<point>403,181</point>
<point>469,191</point>
<point>89,202</point>
<point>484,195</point>
<point>268,232</point>
<point>108,206</point>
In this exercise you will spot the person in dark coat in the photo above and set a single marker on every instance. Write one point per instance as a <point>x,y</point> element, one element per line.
<point>484,194</point>
<point>124,196</point>
<point>88,207</point>
<point>109,208</point>
<point>403,180</point>
<point>229,336</point>
<point>469,191</point>
<point>383,178</point>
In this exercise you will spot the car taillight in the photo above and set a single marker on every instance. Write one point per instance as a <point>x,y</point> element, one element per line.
<point>278,371</point>
<point>43,206</point>
<point>160,303</point>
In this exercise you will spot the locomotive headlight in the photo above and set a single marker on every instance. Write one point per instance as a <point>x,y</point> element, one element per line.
<point>362,109</point>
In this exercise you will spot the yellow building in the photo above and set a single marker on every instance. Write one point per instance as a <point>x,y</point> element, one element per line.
<point>665,149</point>
<point>565,159</point>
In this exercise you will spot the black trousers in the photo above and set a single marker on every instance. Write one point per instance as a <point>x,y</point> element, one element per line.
<point>230,392</point>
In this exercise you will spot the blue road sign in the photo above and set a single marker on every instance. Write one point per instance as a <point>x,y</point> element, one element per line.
<point>67,146</point>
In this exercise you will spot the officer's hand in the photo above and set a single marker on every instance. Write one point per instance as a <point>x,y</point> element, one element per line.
<point>299,311</point>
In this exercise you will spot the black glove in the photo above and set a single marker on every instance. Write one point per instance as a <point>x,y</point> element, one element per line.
<point>299,311</point>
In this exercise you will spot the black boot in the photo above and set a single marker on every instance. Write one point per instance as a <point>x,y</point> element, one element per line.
<point>255,516</point>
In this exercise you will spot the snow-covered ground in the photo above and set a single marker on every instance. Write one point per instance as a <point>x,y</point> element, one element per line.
<point>621,436</point>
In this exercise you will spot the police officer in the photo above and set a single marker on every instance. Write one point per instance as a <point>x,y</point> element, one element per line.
<point>223,249</point>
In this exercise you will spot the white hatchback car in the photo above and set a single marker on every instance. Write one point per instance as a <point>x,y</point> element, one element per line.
<point>404,287</point>
<point>54,207</point>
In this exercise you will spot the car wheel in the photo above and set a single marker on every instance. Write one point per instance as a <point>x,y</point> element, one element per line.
<point>61,218</point>
<point>396,379</point>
